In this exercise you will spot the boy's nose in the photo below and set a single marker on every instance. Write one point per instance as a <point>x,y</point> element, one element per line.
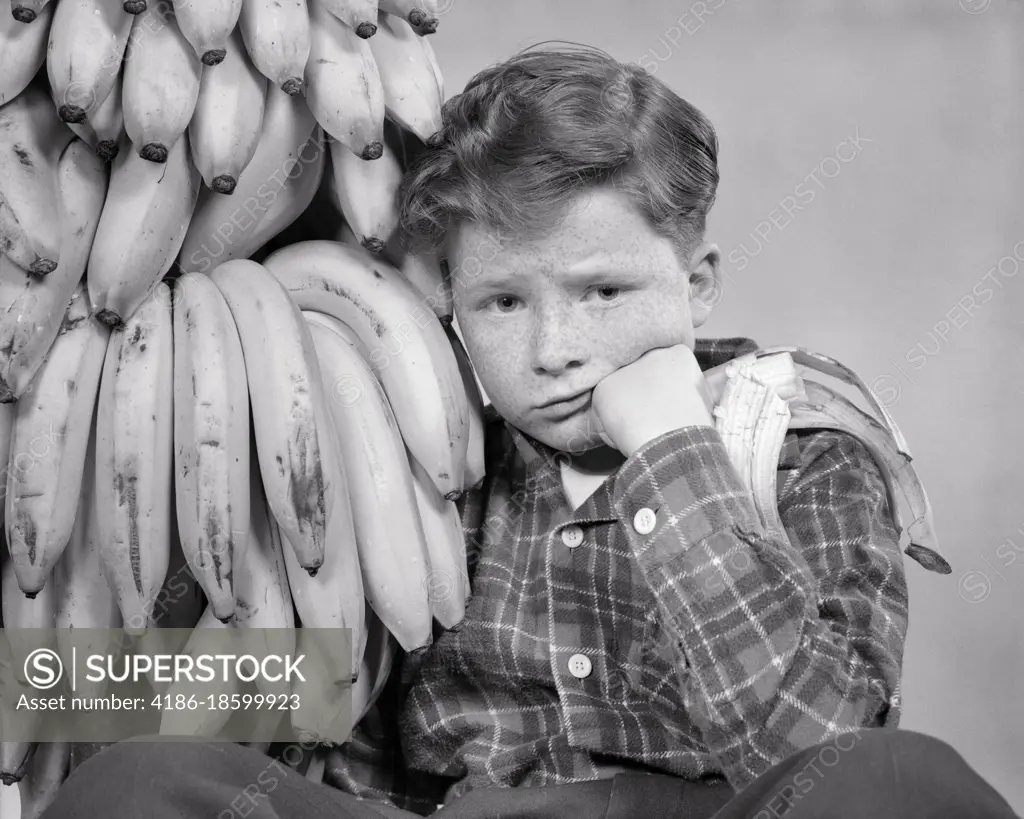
<point>557,345</point>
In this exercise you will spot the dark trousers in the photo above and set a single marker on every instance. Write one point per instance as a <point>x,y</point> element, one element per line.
<point>872,774</point>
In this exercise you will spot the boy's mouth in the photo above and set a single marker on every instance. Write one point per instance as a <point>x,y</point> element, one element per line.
<point>561,409</point>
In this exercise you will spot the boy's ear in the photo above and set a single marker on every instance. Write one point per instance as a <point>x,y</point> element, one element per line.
<point>705,275</point>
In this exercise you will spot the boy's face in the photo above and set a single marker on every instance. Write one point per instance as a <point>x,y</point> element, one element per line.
<point>545,319</point>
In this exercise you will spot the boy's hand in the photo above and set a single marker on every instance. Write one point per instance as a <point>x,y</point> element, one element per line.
<point>661,391</point>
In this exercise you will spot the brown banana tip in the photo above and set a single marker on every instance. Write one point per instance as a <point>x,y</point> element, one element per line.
<point>106,149</point>
<point>373,244</point>
<point>227,620</point>
<point>416,17</point>
<point>110,318</point>
<point>446,321</point>
<point>429,27</point>
<point>134,6</point>
<point>31,595</point>
<point>454,495</point>
<point>366,30</point>
<point>225,183</point>
<point>215,56</point>
<point>292,86</point>
<point>154,152</point>
<point>22,15</point>
<point>375,150</point>
<point>72,114</point>
<point>312,572</point>
<point>10,778</point>
<point>42,267</point>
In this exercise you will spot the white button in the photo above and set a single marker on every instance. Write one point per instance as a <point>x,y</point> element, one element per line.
<point>644,521</point>
<point>579,666</point>
<point>572,536</point>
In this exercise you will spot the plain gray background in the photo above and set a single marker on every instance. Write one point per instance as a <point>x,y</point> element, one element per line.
<point>906,120</point>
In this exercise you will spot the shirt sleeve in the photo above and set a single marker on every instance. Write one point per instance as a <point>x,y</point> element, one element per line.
<point>778,646</point>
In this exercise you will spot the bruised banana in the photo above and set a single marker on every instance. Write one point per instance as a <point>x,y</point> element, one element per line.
<point>286,396</point>
<point>135,459</point>
<point>33,313</point>
<point>51,432</point>
<point>260,581</point>
<point>275,188</point>
<point>144,220</point>
<point>408,349</point>
<point>84,597</point>
<point>32,140</point>
<point>387,525</point>
<point>211,438</point>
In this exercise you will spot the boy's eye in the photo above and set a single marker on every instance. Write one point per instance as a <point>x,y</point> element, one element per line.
<point>608,293</point>
<point>505,304</point>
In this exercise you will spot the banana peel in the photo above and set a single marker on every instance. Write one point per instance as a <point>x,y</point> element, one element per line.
<point>761,396</point>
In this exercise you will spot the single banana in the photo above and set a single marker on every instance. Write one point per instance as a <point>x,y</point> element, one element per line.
<point>211,438</point>
<point>22,51</point>
<point>207,25</point>
<point>287,402</point>
<point>87,44</point>
<point>228,120</point>
<point>448,580</point>
<point>358,15</point>
<point>51,432</point>
<point>21,612</point>
<point>408,349</point>
<point>334,598</point>
<point>381,648</point>
<point>411,95</point>
<point>262,597</point>
<point>435,67</point>
<point>202,721</point>
<point>475,462</point>
<point>365,192</point>
<point>44,775</point>
<point>276,34</point>
<point>31,142</point>
<point>388,531</point>
<point>84,597</point>
<point>32,309</point>
<point>104,130</point>
<point>161,83</point>
<point>28,11</point>
<point>424,272</point>
<point>134,458</point>
<point>141,229</point>
<point>277,185</point>
<point>343,85</point>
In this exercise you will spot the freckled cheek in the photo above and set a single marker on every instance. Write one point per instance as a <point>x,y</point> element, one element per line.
<point>497,356</point>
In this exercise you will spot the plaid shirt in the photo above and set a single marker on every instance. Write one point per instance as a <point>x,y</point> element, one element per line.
<point>681,640</point>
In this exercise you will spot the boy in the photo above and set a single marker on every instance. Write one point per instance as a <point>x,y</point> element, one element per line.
<point>635,644</point>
